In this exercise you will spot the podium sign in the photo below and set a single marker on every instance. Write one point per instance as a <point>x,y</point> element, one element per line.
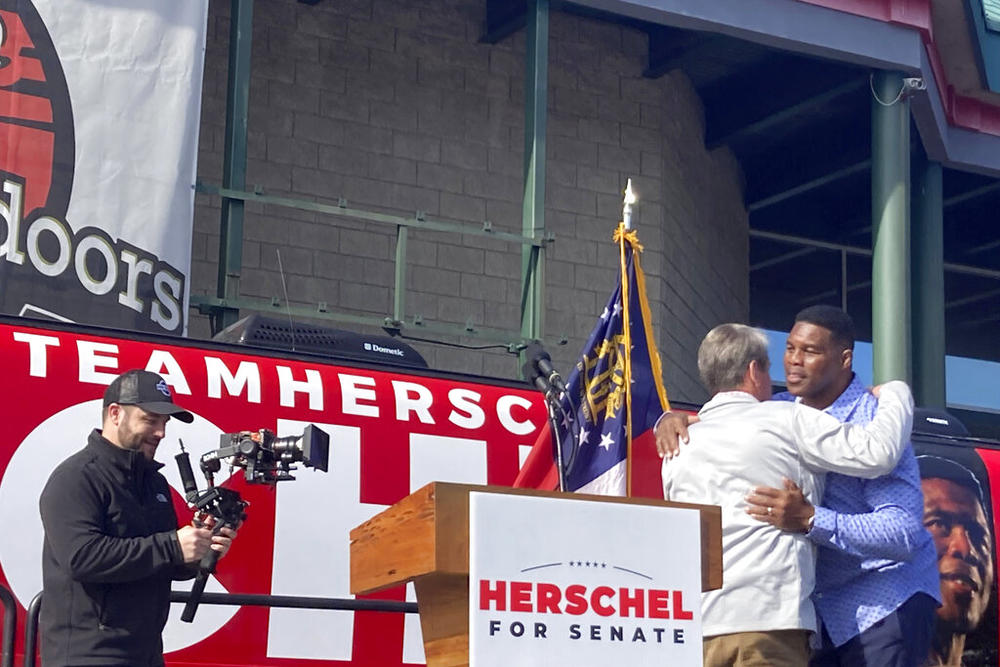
<point>555,581</point>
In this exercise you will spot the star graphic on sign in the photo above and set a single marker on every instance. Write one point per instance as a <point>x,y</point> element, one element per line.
<point>605,314</point>
<point>584,434</point>
<point>606,441</point>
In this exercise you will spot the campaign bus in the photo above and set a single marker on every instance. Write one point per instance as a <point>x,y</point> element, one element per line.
<point>393,425</point>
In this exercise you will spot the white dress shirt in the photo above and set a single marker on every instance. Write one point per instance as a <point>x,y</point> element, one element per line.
<point>740,443</point>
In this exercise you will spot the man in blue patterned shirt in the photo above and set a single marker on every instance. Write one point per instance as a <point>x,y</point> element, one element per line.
<point>877,583</point>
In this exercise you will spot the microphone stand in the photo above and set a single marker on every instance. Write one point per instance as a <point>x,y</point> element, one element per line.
<point>538,370</point>
<point>552,405</point>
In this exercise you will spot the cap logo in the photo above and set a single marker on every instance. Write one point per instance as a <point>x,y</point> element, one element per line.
<point>161,386</point>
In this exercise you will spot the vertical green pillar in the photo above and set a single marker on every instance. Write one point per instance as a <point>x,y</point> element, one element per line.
<point>234,165</point>
<point>399,290</point>
<point>928,284</point>
<point>533,210</point>
<point>890,228</point>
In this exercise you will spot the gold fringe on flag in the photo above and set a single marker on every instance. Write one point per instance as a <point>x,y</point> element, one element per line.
<point>631,237</point>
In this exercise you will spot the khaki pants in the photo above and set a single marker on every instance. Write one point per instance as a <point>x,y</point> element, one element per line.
<point>777,648</point>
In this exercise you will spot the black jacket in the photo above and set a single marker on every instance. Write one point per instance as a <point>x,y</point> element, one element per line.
<point>109,555</point>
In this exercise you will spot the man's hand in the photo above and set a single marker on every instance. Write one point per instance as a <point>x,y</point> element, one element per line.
<point>223,541</point>
<point>785,508</point>
<point>671,430</point>
<point>195,542</point>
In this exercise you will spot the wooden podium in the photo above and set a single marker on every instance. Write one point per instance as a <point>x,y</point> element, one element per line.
<point>424,538</point>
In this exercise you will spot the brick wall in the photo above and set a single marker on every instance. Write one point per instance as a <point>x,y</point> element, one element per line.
<point>397,107</point>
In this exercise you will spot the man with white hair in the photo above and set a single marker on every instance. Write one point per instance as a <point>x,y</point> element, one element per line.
<point>763,611</point>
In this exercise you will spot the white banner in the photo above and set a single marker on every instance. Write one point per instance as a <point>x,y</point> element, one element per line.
<point>99,115</point>
<point>559,582</point>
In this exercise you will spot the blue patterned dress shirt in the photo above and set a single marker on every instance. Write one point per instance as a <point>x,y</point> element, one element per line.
<point>874,552</point>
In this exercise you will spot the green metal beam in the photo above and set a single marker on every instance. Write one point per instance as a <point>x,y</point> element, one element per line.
<point>781,117</point>
<point>671,48</point>
<point>234,166</point>
<point>782,258</point>
<point>972,298</point>
<point>399,284</point>
<point>842,291</point>
<point>418,221</point>
<point>891,349</point>
<point>972,194</point>
<point>950,267</point>
<point>397,322</point>
<point>503,19</point>
<point>533,210</point>
<point>850,170</point>
<point>833,176</point>
<point>983,247</point>
<point>928,284</point>
<point>224,308</point>
<point>413,326</point>
<point>844,283</point>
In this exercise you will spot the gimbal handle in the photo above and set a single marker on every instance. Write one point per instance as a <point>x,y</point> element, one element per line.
<point>205,568</point>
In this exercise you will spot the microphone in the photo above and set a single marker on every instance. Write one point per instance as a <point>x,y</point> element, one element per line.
<point>539,367</point>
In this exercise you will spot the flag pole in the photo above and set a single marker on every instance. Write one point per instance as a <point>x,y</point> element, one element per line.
<point>629,200</point>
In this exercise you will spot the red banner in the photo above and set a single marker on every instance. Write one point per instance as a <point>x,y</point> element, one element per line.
<point>391,432</point>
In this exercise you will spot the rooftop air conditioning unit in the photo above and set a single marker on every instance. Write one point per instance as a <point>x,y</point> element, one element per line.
<point>277,334</point>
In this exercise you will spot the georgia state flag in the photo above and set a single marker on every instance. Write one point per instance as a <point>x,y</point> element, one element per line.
<point>615,393</point>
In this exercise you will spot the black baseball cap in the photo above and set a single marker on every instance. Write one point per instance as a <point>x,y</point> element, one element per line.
<point>145,390</point>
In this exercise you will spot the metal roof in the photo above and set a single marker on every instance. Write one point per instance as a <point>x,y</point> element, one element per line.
<point>794,106</point>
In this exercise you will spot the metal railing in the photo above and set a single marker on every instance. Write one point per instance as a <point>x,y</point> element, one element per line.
<point>397,321</point>
<point>31,630</point>
<point>298,602</point>
<point>282,601</point>
<point>9,626</point>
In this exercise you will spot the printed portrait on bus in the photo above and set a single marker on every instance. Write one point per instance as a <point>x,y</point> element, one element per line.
<point>958,515</point>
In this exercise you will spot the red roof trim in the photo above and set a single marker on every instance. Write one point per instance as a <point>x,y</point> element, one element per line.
<point>961,110</point>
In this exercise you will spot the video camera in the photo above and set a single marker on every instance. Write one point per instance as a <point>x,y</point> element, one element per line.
<point>265,459</point>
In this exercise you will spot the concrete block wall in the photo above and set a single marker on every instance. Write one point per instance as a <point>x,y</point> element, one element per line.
<point>397,107</point>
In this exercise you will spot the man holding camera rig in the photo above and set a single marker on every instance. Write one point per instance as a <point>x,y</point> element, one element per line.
<point>112,545</point>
